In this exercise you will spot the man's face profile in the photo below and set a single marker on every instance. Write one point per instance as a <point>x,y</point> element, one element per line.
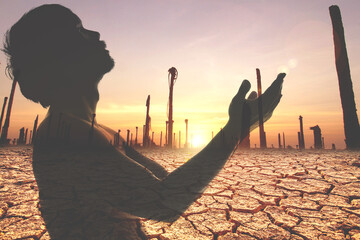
<point>90,51</point>
<point>50,53</point>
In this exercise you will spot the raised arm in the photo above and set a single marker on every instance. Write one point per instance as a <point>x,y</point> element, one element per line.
<point>195,174</point>
<point>108,177</point>
<point>238,114</point>
<point>167,198</point>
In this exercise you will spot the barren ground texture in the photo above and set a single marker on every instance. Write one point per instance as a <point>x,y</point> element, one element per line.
<point>260,194</point>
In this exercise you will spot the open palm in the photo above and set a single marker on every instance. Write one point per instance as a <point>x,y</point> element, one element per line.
<point>246,110</point>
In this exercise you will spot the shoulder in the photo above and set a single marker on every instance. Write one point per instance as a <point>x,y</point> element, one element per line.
<point>63,129</point>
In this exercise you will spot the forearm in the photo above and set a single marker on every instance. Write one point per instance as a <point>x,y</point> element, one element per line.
<point>209,161</point>
<point>183,186</point>
<point>187,182</point>
<point>243,116</point>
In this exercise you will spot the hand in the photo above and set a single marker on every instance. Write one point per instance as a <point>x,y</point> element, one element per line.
<point>270,99</point>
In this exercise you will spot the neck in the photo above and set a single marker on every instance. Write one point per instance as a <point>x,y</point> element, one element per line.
<point>80,104</point>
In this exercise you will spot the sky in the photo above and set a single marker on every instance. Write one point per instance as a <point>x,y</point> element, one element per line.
<point>214,45</point>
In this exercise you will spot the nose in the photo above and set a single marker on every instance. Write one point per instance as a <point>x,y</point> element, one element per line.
<point>90,35</point>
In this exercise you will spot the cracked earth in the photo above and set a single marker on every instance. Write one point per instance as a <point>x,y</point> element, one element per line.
<point>260,194</point>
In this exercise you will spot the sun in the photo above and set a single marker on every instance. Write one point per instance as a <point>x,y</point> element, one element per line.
<point>197,141</point>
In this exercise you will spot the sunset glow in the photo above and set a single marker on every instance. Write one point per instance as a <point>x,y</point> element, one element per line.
<point>198,141</point>
<point>214,45</point>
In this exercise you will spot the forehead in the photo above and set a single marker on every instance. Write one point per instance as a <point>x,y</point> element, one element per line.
<point>74,18</point>
<point>65,17</point>
<point>50,16</point>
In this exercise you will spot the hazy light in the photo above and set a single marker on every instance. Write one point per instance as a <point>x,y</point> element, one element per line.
<point>283,69</point>
<point>197,141</point>
<point>293,63</point>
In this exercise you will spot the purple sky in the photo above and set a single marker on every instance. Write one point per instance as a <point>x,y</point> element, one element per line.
<point>214,45</point>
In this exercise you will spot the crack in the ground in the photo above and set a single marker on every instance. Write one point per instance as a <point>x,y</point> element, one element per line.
<point>271,176</point>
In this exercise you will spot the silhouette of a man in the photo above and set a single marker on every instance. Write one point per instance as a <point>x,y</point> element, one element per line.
<point>89,189</point>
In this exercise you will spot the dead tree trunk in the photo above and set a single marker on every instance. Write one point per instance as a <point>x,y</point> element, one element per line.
<point>5,128</point>
<point>261,119</point>
<point>351,122</point>
<point>2,112</point>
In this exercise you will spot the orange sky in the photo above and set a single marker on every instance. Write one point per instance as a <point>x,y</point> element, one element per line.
<point>214,45</point>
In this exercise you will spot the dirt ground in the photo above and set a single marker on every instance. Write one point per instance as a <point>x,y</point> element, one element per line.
<point>260,194</point>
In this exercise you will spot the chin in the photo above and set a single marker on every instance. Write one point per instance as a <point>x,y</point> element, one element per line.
<point>107,62</point>
<point>95,64</point>
<point>103,64</point>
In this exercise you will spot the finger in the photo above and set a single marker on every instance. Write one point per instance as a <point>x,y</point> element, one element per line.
<point>280,76</point>
<point>252,96</point>
<point>243,90</point>
<point>275,87</point>
<point>278,81</point>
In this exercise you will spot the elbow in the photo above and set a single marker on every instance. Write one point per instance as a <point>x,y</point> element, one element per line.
<point>162,174</point>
